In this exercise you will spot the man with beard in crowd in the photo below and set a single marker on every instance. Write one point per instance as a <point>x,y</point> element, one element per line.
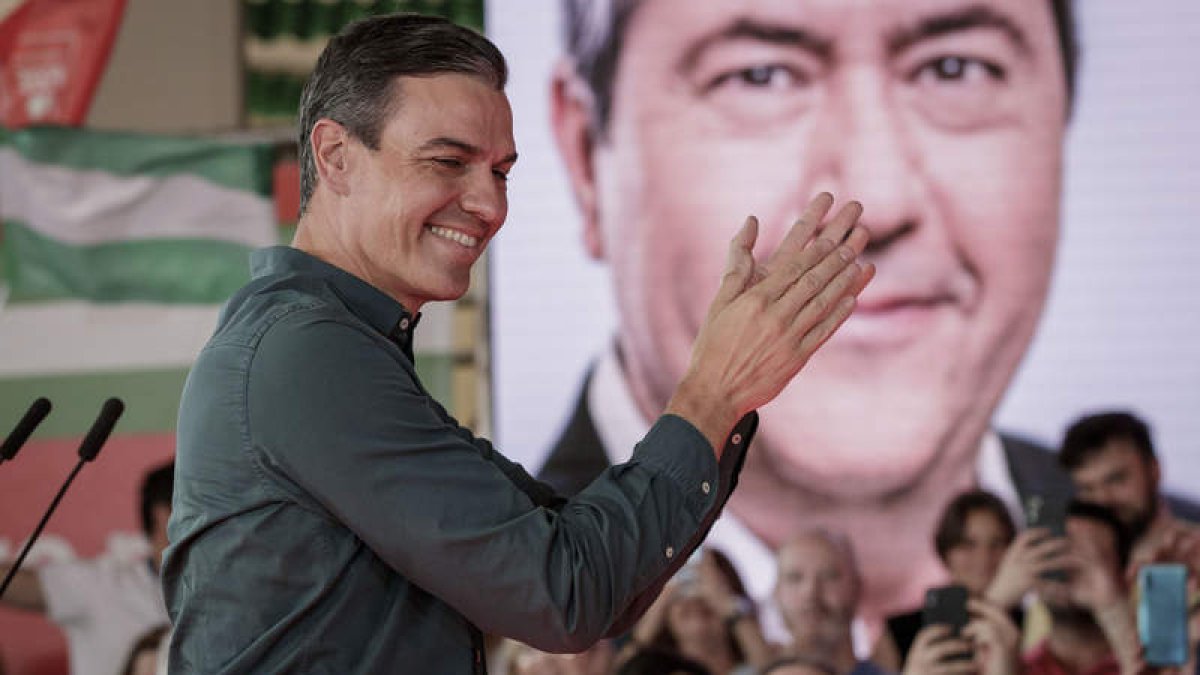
<point>1111,460</point>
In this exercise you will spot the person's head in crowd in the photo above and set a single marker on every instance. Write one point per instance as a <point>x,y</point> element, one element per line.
<point>974,532</point>
<point>798,665</point>
<point>817,589</point>
<point>518,658</point>
<point>157,487</point>
<point>692,625</point>
<point>1101,546</point>
<point>1111,460</point>
<point>428,112</point>
<point>658,662</point>
<point>945,118</point>
<point>144,656</point>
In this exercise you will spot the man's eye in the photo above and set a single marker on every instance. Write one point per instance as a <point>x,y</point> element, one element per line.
<point>501,175</point>
<point>958,69</point>
<point>450,162</point>
<point>766,76</point>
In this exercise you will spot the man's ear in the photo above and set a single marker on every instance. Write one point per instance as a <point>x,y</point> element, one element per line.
<point>572,109</point>
<point>330,143</point>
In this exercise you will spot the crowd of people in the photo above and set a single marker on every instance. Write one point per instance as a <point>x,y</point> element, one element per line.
<point>1040,602</point>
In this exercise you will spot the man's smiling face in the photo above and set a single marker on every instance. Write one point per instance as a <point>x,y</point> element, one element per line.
<point>425,204</point>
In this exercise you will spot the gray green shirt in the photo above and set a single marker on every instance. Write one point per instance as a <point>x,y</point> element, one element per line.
<point>331,517</point>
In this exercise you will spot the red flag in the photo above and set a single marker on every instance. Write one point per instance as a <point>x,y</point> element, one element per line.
<point>52,53</point>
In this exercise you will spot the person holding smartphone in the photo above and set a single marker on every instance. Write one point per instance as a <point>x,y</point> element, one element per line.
<point>978,544</point>
<point>1092,622</point>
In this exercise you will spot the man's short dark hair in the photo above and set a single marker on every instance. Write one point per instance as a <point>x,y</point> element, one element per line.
<point>157,488</point>
<point>354,80</point>
<point>952,527</point>
<point>593,31</point>
<point>1105,516</point>
<point>1088,435</point>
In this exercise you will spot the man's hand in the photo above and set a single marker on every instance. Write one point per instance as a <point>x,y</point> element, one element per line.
<point>1179,544</point>
<point>995,637</point>
<point>1092,584</point>
<point>1033,553</point>
<point>767,320</point>
<point>933,653</point>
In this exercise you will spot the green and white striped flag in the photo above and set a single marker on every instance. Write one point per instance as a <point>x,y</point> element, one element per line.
<point>116,253</point>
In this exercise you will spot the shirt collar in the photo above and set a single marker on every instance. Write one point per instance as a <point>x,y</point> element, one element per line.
<point>376,308</point>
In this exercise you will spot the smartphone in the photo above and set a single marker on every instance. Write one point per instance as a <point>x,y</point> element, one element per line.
<point>1162,614</point>
<point>1050,513</point>
<point>1047,512</point>
<point>948,605</point>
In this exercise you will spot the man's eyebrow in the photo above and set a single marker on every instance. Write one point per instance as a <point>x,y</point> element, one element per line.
<point>444,142</point>
<point>759,31</point>
<point>957,21</point>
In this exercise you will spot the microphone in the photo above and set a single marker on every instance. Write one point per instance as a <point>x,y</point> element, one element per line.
<point>95,438</point>
<point>101,428</point>
<point>33,417</point>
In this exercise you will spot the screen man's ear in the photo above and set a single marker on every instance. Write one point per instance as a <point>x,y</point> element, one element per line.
<point>571,115</point>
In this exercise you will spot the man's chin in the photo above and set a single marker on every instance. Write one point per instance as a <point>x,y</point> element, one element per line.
<point>847,467</point>
<point>867,438</point>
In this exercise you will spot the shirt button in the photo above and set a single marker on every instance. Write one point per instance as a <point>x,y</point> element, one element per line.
<point>670,552</point>
<point>705,487</point>
<point>736,440</point>
<point>404,323</point>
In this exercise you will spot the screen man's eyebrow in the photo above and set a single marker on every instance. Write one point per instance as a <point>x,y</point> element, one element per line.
<point>469,149</point>
<point>972,17</point>
<point>755,30</point>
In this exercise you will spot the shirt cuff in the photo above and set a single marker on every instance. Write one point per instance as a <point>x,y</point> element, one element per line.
<point>677,449</point>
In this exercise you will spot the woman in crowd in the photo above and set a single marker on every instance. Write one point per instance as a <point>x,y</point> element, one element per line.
<point>704,615</point>
<point>978,543</point>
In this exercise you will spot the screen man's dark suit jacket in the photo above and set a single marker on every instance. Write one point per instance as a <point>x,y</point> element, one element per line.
<point>579,456</point>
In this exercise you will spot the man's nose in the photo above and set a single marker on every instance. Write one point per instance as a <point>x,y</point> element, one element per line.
<point>486,198</point>
<point>871,155</point>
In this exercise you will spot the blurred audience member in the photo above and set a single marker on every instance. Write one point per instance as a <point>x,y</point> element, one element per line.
<point>818,586</point>
<point>1092,628</point>
<point>1110,458</point>
<point>521,659</point>
<point>703,614</point>
<point>104,605</point>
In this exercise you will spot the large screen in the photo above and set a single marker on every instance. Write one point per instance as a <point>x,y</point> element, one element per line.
<point>1036,236</point>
